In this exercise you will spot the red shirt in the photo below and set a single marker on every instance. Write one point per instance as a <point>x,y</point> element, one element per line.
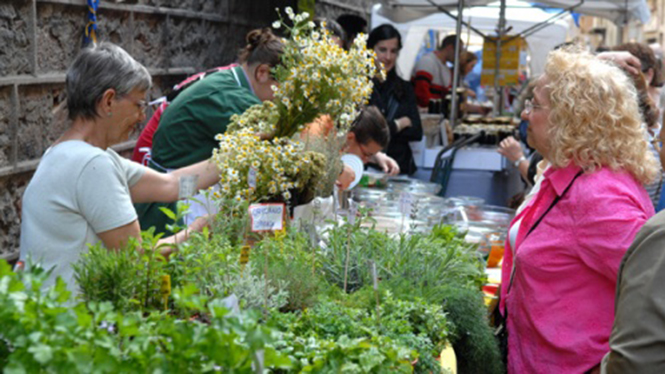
<point>143,146</point>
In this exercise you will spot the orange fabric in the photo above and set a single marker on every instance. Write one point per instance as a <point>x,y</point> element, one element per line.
<point>322,126</point>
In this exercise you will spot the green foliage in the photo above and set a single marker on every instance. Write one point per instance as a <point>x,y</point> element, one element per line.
<point>471,336</point>
<point>344,355</point>
<point>210,264</point>
<point>362,245</point>
<point>414,325</point>
<point>422,265</point>
<point>47,332</point>
<point>128,278</point>
<point>416,265</point>
<point>325,329</point>
<point>232,221</point>
<point>292,262</point>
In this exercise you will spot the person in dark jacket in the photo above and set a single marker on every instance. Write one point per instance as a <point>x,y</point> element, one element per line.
<point>395,98</point>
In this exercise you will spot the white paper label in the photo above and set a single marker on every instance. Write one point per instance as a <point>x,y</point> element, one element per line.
<point>251,177</point>
<point>187,185</point>
<point>267,217</point>
<point>375,279</point>
<point>353,212</point>
<point>405,203</point>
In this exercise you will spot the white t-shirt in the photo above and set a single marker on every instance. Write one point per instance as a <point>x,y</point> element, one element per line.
<point>538,179</point>
<point>78,190</point>
<point>441,73</point>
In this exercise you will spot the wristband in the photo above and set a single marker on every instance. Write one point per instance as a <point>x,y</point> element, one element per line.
<point>519,161</point>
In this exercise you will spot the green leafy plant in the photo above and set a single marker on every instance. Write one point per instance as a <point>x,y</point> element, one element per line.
<point>293,262</point>
<point>45,331</point>
<point>344,355</point>
<point>471,336</point>
<point>129,278</point>
<point>417,326</point>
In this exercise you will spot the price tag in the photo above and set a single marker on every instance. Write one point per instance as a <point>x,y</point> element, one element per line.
<point>244,254</point>
<point>165,286</point>
<point>267,217</point>
<point>405,203</point>
<point>187,185</point>
<point>251,177</point>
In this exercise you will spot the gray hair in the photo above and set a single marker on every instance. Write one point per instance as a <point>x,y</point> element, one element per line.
<point>97,69</point>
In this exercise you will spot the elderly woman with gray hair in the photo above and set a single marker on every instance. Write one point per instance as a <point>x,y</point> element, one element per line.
<point>82,191</point>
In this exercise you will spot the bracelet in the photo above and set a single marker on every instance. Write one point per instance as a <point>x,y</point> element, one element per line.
<point>519,161</point>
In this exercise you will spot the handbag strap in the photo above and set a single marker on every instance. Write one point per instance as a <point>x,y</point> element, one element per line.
<point>540,219</point>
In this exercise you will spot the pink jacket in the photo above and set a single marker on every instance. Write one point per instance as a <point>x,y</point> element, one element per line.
<point>561,303</point>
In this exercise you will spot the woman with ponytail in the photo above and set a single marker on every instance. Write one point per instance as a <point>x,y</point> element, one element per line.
<point>187,128</point>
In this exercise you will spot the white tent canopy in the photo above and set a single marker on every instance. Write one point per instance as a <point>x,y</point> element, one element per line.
<point>520,18</point>
<point>619,11</point>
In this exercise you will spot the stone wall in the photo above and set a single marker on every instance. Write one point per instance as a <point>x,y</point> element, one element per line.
<point>334,8</point>
<point>40,38</point>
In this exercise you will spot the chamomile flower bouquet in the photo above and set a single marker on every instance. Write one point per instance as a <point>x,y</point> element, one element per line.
<point>267,152</point>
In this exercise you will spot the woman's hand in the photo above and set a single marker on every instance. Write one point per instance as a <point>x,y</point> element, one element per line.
<point>346,178</point>
<point>200,223</point>
<point>403,123</point>
<point>387,163</point>
<point>511,149</point>
<point>624,60</point>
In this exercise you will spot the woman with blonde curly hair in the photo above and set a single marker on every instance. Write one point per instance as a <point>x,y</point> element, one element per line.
<point>560,268</point>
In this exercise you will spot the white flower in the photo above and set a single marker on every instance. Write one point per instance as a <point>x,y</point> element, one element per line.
<point>276,25</point>
<point>299,18</point>
<point>305,15</point>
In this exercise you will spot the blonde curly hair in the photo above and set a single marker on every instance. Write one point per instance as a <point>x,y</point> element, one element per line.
<point>594,116</point>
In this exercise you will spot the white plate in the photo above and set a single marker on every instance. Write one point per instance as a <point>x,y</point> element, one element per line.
<point>356,164</point>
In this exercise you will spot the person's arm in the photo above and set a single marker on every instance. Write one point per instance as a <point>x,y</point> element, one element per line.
<point>117,238</point>
<point>637,341</point>
<point>624,60</point>
<point>346,177</point>
<point>386,163</point>
<point>103,200</point>
<point>512,150</point>
<point>161,187</point>
<point>422,81</point>
<point>605,227</point>
<point>407,126</point>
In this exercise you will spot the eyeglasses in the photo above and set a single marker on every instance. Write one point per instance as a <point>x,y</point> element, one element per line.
<point>529,106</point>
<point>142,104</point>
<point>366,154</point>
